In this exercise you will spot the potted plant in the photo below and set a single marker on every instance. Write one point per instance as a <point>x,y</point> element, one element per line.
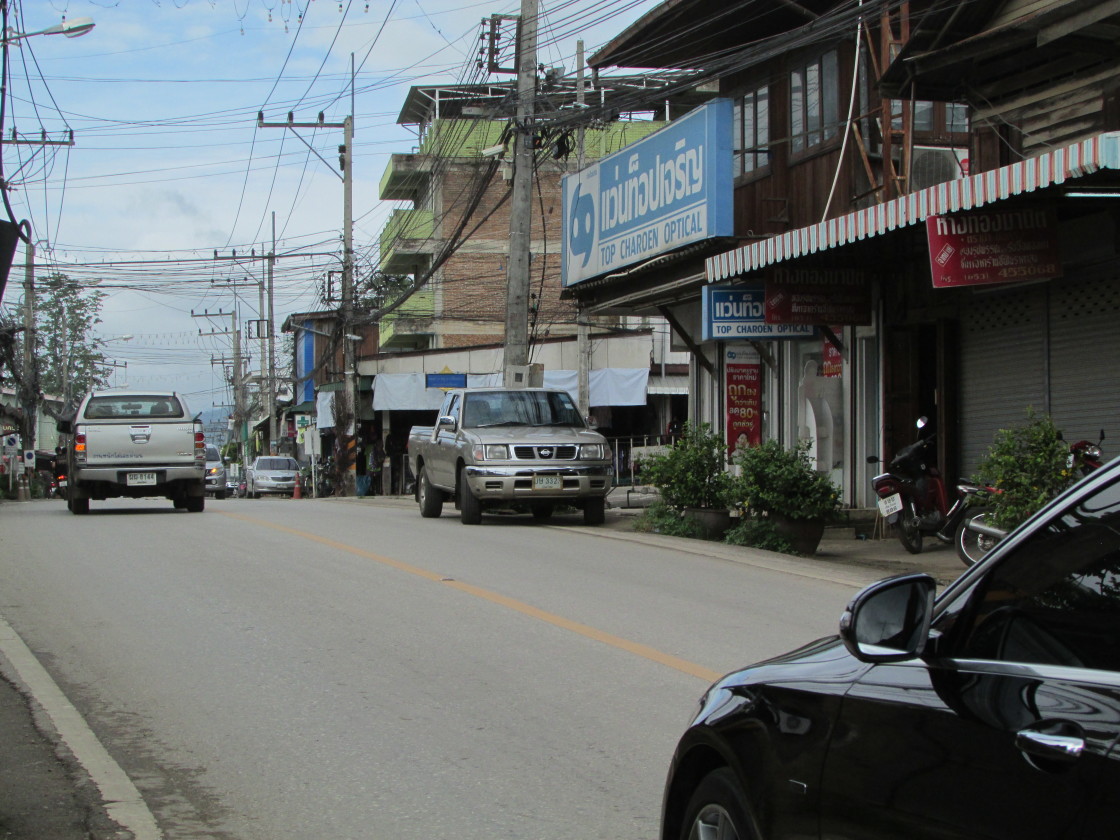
<point>781,495</point>
<point>1028,465</point>
<point>692,478</point>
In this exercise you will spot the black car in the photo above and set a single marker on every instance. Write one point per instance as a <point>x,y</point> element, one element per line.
<point>992,711</point>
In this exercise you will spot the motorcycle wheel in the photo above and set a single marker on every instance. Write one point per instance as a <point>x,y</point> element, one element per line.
<point>909,532</point>
<point>972,546</point>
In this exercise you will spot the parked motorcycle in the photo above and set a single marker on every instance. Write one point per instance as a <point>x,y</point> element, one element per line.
<point>976,535</point>
<point>912,495</point>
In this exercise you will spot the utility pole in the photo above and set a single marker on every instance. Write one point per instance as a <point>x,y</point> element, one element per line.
<point>238,386</point>
<point>273,420</point>
<point>520,213</point>
<point>349,363</point>
<point>583,326</point>
<point>28,379</point>
<point>346,306</point>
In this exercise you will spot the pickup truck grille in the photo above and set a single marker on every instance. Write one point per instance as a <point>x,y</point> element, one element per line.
<point>544,453</point>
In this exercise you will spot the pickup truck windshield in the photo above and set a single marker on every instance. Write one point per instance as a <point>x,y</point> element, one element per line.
<point>520,408</point>
<point>133,407</point>
<point>276,464</point>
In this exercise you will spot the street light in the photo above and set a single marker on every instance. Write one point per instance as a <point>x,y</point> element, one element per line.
<point>70,28</point>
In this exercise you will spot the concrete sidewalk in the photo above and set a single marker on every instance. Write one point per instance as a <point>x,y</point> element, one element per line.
<point>44,793</point>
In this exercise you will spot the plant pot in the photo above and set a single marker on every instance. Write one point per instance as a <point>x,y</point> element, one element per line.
<point>803,535</point>
<point>714,522</point>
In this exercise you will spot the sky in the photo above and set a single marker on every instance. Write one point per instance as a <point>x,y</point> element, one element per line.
<point>168,166</point>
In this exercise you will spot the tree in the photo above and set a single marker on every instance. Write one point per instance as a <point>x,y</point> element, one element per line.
<point>69,357</point>
<point>379,289</point>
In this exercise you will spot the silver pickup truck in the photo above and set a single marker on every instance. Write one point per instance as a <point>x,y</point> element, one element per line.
<point>125,443</point>
<point>498,446</point>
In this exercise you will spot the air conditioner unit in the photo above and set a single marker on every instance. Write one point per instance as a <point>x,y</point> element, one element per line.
<point>932,165</point>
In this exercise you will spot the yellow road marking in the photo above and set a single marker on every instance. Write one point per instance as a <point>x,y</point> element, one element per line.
<point>618,642</point>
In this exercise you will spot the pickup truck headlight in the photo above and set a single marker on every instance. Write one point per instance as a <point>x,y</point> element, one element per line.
<point>594,452</point>
<point>491,452</point>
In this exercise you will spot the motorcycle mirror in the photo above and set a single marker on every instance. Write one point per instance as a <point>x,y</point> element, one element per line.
<point>921,424</point>
<point>873,459</point>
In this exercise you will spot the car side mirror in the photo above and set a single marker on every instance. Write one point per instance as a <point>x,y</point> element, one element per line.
<point>64,427</point>
<point>446,422</point>
<point>889,621</point>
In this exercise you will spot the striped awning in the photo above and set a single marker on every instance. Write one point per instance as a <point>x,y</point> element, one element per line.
<point>1050,169</point>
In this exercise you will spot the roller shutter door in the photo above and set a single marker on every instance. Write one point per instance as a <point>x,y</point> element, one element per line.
<point>1003,365</point>
<point>1084,359</point>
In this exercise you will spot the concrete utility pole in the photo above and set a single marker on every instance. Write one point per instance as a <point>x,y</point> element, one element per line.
<point>28,380</point>
<point>346,307</point>
<point>583,326</point>
<point>238,431</point>
<point>521,204</point>
<point>273,420</point>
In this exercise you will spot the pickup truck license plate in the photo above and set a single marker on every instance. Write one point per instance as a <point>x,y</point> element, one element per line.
<point>140,479</point>
<point>890,505</point>
<point>548,482</point>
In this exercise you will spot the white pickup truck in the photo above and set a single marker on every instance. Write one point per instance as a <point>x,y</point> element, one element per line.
<point>125,443</point>
<point>501,447</point>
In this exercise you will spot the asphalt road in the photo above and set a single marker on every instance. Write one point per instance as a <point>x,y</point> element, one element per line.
<point>277,669</point>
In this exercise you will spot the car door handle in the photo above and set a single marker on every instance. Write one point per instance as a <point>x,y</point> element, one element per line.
<point>1050,746</point>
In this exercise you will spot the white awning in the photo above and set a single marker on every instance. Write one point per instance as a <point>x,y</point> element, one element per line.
<point>673,383</point>
<point>608,386</point>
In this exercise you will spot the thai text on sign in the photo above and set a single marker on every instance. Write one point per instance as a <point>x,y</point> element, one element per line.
<point>979,248</point>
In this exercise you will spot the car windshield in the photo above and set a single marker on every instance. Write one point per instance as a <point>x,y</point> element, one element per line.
<point>277,464</point>
<point>212,454</point>
<point>520,408</point>
<point>133,406</point>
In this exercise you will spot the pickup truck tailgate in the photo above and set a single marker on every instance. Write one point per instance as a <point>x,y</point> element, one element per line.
<point>123,443</point>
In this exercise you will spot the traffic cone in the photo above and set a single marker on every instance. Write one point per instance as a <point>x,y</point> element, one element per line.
<point>296,493</point>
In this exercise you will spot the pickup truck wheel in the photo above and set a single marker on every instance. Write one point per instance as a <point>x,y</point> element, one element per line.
<point>542,510</point>
<point>595,511</point>
<point>79,505</point>
<point>195,504</point>
<point>430,499</point>
<point>470,508</point>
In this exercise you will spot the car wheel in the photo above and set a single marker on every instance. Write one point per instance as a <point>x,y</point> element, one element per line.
<point>431,500</point>
<point>470,508</point>
<point>79,505</point>
<point>195,504</point>
<point>595,511</point>
<point>220,496</point>
<point>717,810</point>
<point>542,511</point>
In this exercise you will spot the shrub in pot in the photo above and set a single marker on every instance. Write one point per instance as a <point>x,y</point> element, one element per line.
<point>781,495</point>
<point>1029,465</point>
<point>692,478</point>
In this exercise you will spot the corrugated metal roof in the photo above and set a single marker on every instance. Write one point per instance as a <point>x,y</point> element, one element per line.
<point>1050,169</point>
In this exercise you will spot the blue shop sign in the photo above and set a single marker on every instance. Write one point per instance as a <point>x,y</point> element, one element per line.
<point>669,189</point>
<point>728,313</point>
<point>445,380</point>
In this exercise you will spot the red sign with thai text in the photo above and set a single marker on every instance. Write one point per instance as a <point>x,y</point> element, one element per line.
<point>970,249</point>
<point>832,360</point>
<point>744,405</point>
<point>818,296</point>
